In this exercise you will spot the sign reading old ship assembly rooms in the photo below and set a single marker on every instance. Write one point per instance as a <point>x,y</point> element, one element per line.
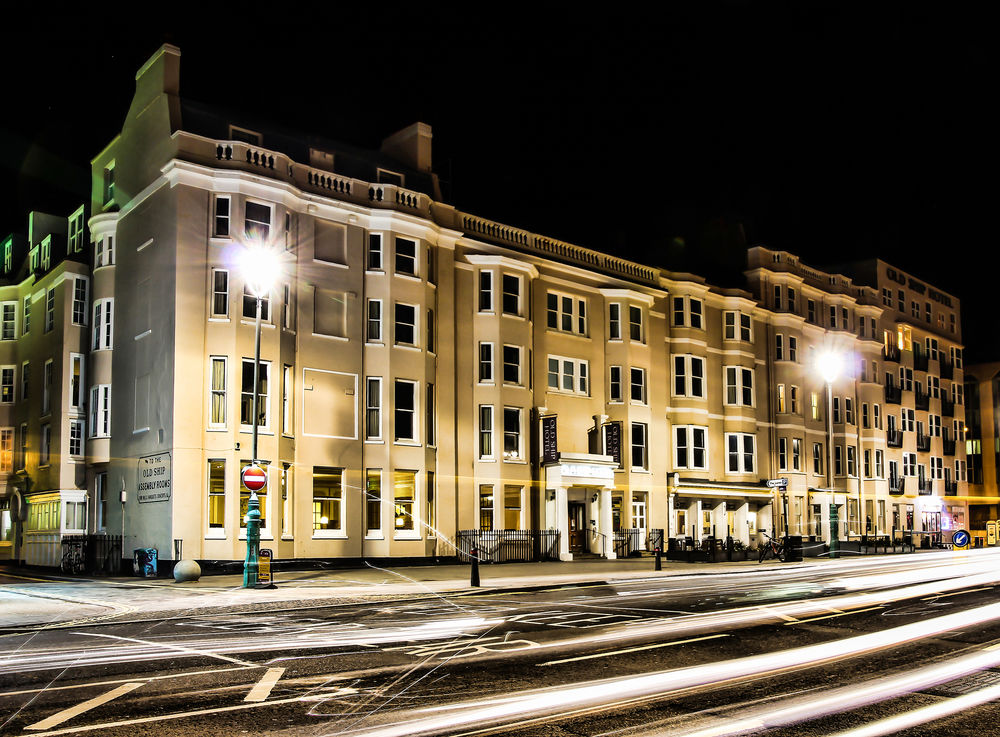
<point>153,478</point>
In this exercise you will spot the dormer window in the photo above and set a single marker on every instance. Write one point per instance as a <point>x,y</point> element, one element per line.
<point>76,231</point>
<point>8,256</point>
<point>109,183</point>
<point>242,134</point>
<point>385,176</point>
<point>47,253</point>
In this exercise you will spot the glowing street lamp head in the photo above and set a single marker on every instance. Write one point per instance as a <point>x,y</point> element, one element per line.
<point>261,266</point>
<point>829,364</point>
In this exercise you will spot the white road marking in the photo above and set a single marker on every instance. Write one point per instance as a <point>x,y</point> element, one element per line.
<point>122,680</point>
<point>262,689</point>
<point>62,716</point>
<point>631,650</point>
<point>168,646</point>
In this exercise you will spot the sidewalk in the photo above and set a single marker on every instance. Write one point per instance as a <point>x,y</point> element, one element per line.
<point>29,597</point>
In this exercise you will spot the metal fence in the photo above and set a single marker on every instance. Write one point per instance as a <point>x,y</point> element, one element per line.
<point>508,546</point>
<point>91,554</point>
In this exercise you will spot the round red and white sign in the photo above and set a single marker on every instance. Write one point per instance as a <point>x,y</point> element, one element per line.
<point>254,477</point>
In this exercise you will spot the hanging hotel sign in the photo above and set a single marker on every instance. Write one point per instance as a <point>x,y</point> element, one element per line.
<point>587,471</point>
<point>550,440</point>
<point>153,478</point>
<point>613,441</point>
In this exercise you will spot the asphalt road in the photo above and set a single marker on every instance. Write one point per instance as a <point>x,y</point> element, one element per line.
<point>802,651</point>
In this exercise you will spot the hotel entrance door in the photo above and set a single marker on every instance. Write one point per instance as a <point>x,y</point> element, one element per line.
<point>577,527</point>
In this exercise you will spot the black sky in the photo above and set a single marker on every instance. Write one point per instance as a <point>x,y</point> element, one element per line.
<point>830,130</point>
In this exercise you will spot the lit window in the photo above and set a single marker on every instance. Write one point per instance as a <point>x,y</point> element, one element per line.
<point>328,498</point>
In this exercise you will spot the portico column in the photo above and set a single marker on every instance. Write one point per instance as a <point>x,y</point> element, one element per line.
<point>604,523</point>
<point>742,531</point>
<point>562,523</point>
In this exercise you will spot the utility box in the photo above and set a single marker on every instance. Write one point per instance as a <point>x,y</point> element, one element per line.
<point>793,553</point>
<point>144,562</point>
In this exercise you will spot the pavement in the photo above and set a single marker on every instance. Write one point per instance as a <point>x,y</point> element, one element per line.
<point>37,598</point>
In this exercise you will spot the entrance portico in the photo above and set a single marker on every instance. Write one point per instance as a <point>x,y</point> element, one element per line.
<point>578,491</point>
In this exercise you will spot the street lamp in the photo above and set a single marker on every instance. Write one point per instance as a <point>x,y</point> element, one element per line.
<point>829,365</point>
<point>261,266</point>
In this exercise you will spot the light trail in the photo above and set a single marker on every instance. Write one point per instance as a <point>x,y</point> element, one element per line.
<point>541,704</point>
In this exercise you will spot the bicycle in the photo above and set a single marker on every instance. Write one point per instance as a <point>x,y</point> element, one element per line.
<point>772,547</point>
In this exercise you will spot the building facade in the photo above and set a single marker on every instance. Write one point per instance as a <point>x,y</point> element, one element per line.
<point>982,396</point>
<point>426,371</point>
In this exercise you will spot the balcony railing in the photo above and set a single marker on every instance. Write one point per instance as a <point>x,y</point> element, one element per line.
<point>920,398</point>
<point>925,487</point>
<point>950,487</point>
<point>897,485</point>
<point>919,361</point>
<point>923,443</point>
<point>947,407</point>
<point>949,447</point>
<point>893,394</point>
<point>947,369</point>
<point>891,353</point>
<point>894,438</point>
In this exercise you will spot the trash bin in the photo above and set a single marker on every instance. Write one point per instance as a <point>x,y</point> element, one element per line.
<point>793,553</point>
<point>144,562</point>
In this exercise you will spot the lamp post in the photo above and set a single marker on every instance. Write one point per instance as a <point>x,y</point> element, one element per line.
<point>260,269</point>
<point>829,368</point>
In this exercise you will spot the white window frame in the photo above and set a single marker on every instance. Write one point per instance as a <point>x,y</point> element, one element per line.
<point>78,314</point>
<point>687,376</point>
<point>261,398</point>
<point>741,453</point>
<point>219,217</point>
<point>8,386</point>
<point>79,402</point>
<point>415,412</point>
<point>376,335</point>
<point>644,466</point>
<point>485,433</point>
<point>100,411</point>
<point>575,316</point>
<point>636,325</point>
<point>576,370</point>
<point>615,384</point>
<point>733,327</point>
<point>415,326</point>
<point>484,292</point>
<point>8,320</point>
<point>518,295</point>
<point>614,321</point>
<point>373,409</point>
<point>104,324</point>
<point>642,384</point>
<point>739,385</point>
<point>689,433</point>
<point>50,310</point>
<point>25,378</point>
<point>519,379</point>
<point>373,239</point>
<point>216,292</point>
<point>76,436</point>
<point>396,257</point>
<point>287,400</point>
<point>212,391</point>
<point>516,454</point>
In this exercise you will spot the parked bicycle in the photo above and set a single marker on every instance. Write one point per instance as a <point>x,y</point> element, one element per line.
<point>773,548</point>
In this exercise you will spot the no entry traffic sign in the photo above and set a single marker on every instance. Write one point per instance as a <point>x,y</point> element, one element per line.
<point>254,477</point>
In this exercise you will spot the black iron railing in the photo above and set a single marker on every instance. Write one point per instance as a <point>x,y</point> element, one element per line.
<point>897,484</point>
<point>893,394</point>
<point>947,369</point>
<point>91,554</point>
<point>947,407</point>
<point>920,398</point>
<point>508,546</point>
<point>919,361</point>
<point>891,353</point>
<point>923,443</point>
<point>894,438</point>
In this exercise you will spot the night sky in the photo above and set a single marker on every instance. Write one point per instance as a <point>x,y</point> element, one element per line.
<point>832,131</point>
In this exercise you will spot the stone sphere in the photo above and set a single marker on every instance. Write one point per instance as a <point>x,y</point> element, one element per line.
<point>187,570</point>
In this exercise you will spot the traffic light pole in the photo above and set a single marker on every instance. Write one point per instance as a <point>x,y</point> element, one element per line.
<point>250,566</point>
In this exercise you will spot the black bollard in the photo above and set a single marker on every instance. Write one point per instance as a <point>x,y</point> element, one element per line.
<point>474,578</point>
<point>658,566</point>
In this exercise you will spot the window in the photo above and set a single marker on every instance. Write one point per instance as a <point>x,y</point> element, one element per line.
<point>793,348</point>
<point>7,450</point>
<point>793,399</point>
<point>7,384</point>
<point>485,507</point>
<point>877,416</point>
<point>937,468</point>
<point>689,376</point>
<point>257,221</point>
<point>486,291</point>
<point>568,375</point>
<point>811,311</point>
<point>47,375</point>
<point>566,313</point>
<point>405,324</point>
<point>406,257</point>
<point>782,454</point>
<point>956,353</point>
<point>852,461</point>
<point>287,387</point>
<point>796,454</point>
<point>814,405</point>
<point>485,363</point>
<point>690,449</point>
<point>782,405</point>
<point>430,331</point>
<point>328,498</point>
<point>220,294</point>
<point>639,454</point>
<point>737,327</point>
<point>109,183</point>
<point>836,410</point>
<point>739,386</point>
<point>45,450</point>
<point>287,308</point>
<point>687,312</point>
<point>638,385</point>
<point>250,305</point>
<point>865,423</point>
<point>217,396</point>
<point>635,326</point>
<point>486,431</point>
<point>246,394</point>
<point>906,420</point>
<point>405,410</point>
<point>373,408</point>
<point>50,309</point>
<point>615,321</point>
<point>512,507</point>
<point>615,390</point>
<point>25,372</point>
<point>429,414</point>
<point>374,252</point>
<point>849,410</point>
<point>779,347</point>
<point>879,460</point>
<point>373,500</point>
<point>374,323</point>
<point>8,318</point>
<point>511,296</point>
<point>103,327</point>
<point>818,458</point>
<point>909,464</point>
<point>511,364</point>
<point>934,426</point>
<point>933,387</point>
<point>217,494</point>
<point>404,486</point>
<point>838,460</point>
<point>27,314</point>
<point>76,437</point>
<point>777,297</point>
<point>77,395</point>
<point>740,452</point>
<point>221,219</point>
<point>100,411</point>
<point>512,434</point>
<point>906,379</point>
<point>431,273</point>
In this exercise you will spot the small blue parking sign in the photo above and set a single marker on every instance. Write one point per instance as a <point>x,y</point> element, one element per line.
<point>960,539</point>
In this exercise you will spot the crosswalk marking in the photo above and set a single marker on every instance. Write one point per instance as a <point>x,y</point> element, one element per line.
<point>62,716</point>
<point>262,689</point>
